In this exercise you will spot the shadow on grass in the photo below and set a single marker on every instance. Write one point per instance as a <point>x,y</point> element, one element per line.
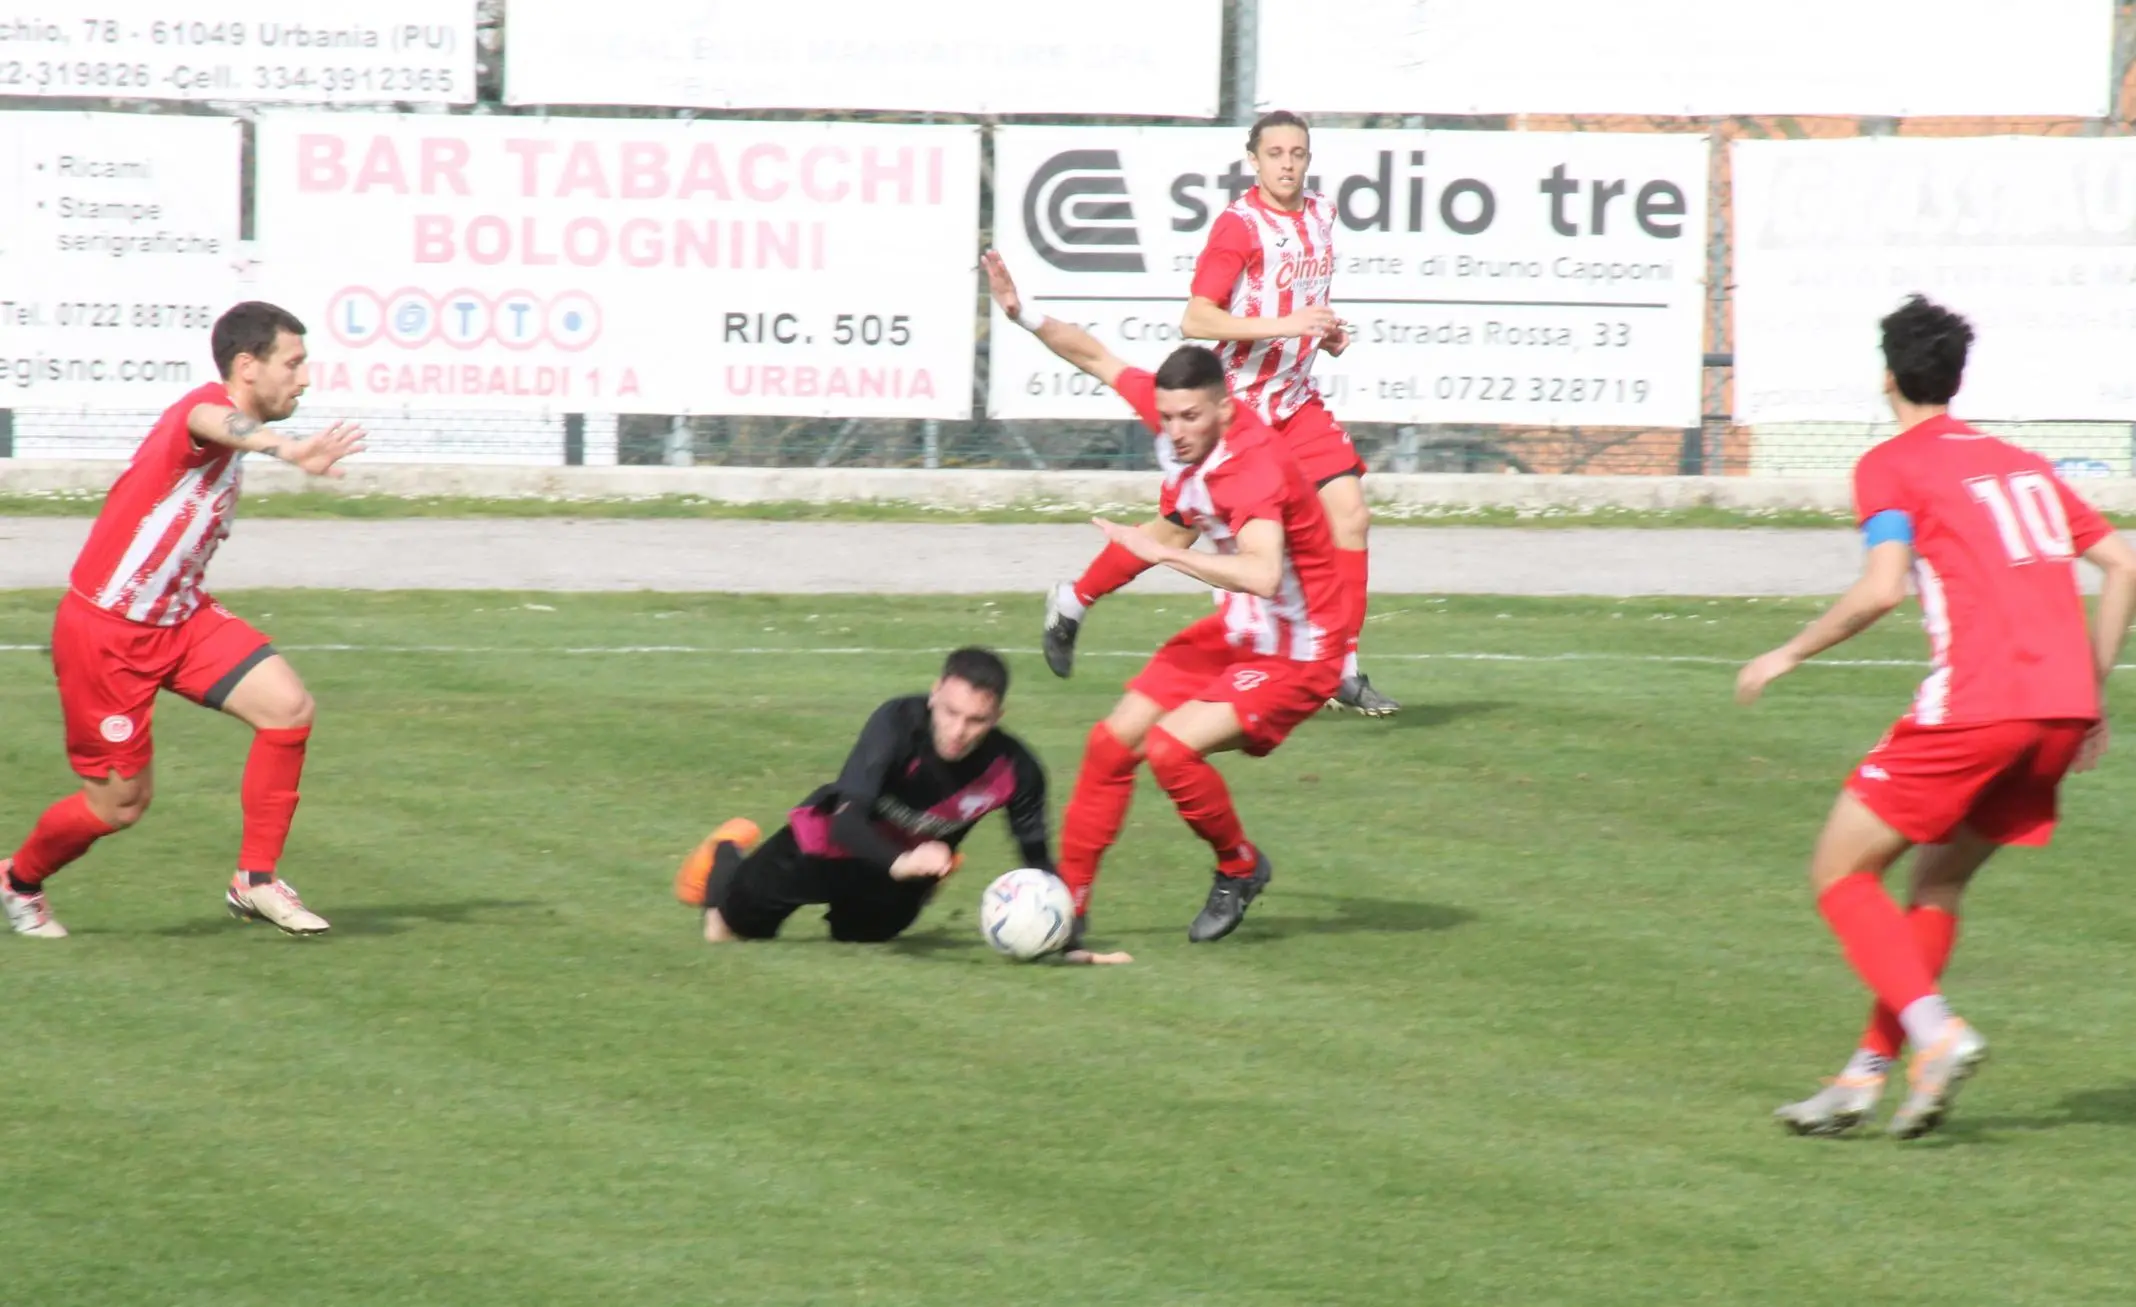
<point>2114,1105</point>
<point>1351,916</point>
<point>1417,716</point>
<point>382,919</point>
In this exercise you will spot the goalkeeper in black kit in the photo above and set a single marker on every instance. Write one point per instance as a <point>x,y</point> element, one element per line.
<point>874,845</point>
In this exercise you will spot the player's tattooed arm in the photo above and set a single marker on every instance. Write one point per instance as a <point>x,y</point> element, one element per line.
<point>318,455</point>
<point>215,424</point>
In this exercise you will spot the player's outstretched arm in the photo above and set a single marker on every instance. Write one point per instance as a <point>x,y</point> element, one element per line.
<point>1882,587</point>
<point>1065,339</point>
<point>2117,601</point>
<point>1256,569</point>
<point>2110,627</point>
<point>318,454</point>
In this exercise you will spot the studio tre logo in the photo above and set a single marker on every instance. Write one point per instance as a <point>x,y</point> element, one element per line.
<point>1077,214</point>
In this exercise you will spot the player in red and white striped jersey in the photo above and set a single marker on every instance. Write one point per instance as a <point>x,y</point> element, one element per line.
<point>135,621</point>
<point>1261,291</point>
<point>1240,678</point>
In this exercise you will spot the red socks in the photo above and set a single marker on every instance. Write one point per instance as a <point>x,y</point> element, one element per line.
<point>1356,570</point>
<point>70,826</point>
<point>1203,799</point>
<point>1935,934</point>
<point>1096,810</point>
<point>63,833</point>
<point>1113,568</point>
<point>1877,940</point>
<point>269,793</point>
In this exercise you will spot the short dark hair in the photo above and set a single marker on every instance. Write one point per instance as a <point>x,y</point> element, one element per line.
<point>250,328</point>
<point>1924,346</point>
<point>1191,367</point>
<point>981,669</point>
<point>1275,118</point>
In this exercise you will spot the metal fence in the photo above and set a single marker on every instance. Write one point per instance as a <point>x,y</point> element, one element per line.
<point>1716,447</point>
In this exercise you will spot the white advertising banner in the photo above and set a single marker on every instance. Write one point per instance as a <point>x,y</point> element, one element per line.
<point>2033,239</point>
<point>304,51</point>
<point>949,56</point>
<point>118,234</point>
<point>1506,277</point>
<point>1697,57</point>
<point>621,265</point>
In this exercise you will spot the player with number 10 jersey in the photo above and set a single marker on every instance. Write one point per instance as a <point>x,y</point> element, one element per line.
<point>2012,702</point>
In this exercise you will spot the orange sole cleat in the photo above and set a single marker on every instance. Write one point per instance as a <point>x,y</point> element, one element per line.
<point>696,869</point>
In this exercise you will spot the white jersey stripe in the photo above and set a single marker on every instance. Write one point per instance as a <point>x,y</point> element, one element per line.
<point>118,587</point>
<point>157,579</point>
<point>169,587</point>
<point>1294,271</point>
<point>1280,627</point>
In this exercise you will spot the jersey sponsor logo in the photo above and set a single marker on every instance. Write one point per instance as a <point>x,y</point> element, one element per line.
<point>1077,214</point>
<point>1314,272</point>
<point>116,729</point>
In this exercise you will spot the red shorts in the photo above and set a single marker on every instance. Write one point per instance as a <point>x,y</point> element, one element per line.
<point>110,668</point>
<point>1319,444</point>
<point>1999,778</point>
<point>1271,695</point>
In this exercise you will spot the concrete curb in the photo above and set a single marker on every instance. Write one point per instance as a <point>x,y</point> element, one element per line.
<point>959,488</point>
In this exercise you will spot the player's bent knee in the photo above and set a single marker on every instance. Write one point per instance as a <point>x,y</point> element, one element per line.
<point>1131,719</point>
<point>1167,754</point>
<point>120,803</point>
<point>1105,745</point>
<point>120,816</point>
<point>287,712</point>
<point>297,713</point>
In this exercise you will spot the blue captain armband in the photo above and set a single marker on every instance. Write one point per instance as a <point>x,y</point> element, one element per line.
<point>1892,526</point>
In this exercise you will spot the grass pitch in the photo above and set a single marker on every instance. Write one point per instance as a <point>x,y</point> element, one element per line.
<point>1537,962</point>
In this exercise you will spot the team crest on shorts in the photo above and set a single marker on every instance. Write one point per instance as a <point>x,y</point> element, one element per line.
<point>117,729</point>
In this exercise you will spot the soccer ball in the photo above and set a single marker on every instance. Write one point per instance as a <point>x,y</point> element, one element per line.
<point>1026,914</point>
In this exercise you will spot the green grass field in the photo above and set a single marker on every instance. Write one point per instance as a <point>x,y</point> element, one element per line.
<point>1537,963</point>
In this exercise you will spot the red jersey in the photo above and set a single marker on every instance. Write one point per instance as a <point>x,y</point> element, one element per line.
<point>1265,263</point>
<point>1247,476</point>
<point>1996,535</point>
<point>162,521</point>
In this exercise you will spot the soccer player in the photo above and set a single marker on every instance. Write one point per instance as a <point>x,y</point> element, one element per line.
<point>1261,290</point>
<point>874,844</point>
<point>1240,678</point>
<point>2013,701</point>
<point>135,620</point>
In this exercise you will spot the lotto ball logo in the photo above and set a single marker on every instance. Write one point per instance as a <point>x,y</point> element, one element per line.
<point>411,318</point>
